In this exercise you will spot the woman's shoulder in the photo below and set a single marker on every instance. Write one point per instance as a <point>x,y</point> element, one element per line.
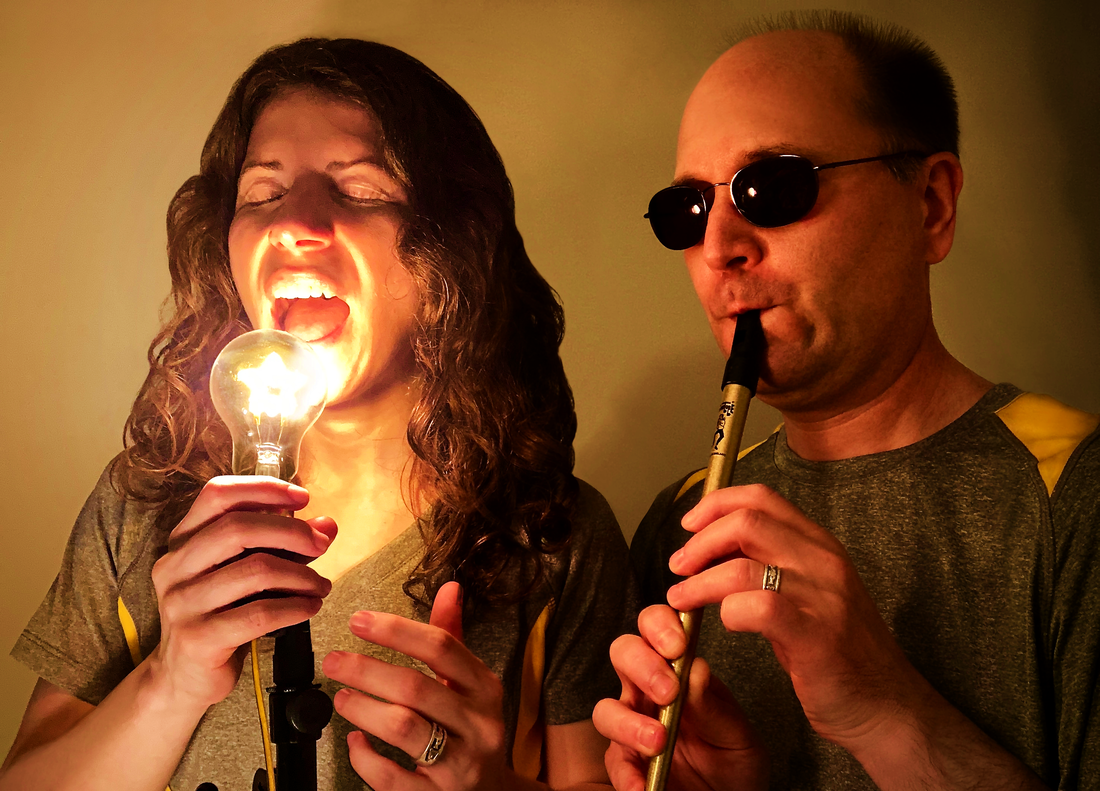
<point>594,526</point>
<point>593,510</point>
<point>115,525</point>
<point>596,546</point>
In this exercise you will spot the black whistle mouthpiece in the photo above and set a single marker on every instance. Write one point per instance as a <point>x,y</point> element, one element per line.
<point>746,353</point>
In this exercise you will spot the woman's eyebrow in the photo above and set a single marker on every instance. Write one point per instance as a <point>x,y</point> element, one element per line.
<point>347,165</point>
<point>272,165</point>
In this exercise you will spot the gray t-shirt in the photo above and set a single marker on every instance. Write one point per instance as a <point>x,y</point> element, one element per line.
<point>76,642</point>
<point>990,584</point>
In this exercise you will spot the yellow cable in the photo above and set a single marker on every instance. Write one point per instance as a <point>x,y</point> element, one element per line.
<point>263,715</point>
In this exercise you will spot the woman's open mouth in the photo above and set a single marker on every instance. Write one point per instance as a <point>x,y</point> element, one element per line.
<point>306,305</point>
<point>311,319</point>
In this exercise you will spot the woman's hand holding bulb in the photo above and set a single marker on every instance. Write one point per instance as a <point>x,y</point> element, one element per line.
<point>218,555</point>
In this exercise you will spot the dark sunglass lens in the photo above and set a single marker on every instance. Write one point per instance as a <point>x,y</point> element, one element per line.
<point>678,216</point>
<point>775,192</point>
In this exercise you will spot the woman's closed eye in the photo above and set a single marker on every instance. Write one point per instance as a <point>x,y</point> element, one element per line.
<point>260,191</point>
<point>365,192</point>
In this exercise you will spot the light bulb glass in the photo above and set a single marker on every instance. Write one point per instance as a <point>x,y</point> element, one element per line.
<point>269,388</point>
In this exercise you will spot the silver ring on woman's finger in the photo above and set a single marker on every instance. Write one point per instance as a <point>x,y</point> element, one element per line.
<point>436,742</point>
<point>771,578</point>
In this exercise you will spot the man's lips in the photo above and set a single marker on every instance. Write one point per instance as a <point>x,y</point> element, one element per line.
<point>733,314</point>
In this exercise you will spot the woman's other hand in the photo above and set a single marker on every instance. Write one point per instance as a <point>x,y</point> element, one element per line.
<point>465,697</point>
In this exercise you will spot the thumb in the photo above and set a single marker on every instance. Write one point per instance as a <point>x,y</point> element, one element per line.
<point>447,610</point>
<point>713,713</point>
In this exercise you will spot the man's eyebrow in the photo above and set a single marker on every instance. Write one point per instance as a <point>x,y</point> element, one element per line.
<point>755,155</point>
<point>773,151</point>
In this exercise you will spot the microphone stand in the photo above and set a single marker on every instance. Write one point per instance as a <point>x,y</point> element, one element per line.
<point>298,710</point>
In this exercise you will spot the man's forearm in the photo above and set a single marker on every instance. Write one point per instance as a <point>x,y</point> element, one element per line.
<point>940,749</point>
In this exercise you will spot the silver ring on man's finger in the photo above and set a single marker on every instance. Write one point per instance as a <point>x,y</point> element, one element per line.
<point>771,578</point>
<point>434,749</point>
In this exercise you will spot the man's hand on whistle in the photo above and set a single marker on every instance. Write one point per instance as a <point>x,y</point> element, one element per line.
<point>856,686</point>
<point>848,671</point>
<point>716,744</point>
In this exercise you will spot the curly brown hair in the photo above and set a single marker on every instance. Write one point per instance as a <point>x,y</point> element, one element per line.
<point>493,429</point>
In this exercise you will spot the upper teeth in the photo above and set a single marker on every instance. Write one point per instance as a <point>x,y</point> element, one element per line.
<point>302,287</point>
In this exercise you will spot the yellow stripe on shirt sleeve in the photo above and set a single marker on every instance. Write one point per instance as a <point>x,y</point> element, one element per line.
<point>129,629</point>
<point>530,727</point>
<point>1049,429</point>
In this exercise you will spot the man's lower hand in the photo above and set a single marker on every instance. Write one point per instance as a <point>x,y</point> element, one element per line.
<point>716,745</point>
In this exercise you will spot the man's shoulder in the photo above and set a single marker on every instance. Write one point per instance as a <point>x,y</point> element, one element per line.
<point>659,533</point>
<point>681,495</point>
<point>1052,432</point>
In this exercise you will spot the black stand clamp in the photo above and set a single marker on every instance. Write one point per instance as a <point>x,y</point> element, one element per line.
<point>299,710</point>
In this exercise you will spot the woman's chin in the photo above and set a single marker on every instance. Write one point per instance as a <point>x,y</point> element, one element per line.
<point>337,375</point>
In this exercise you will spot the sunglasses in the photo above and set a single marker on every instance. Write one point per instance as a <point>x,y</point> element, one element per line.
<point>769,193</point>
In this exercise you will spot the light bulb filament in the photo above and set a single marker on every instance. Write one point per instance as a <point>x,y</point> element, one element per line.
<point>269,388</point>
<point>272,387</point>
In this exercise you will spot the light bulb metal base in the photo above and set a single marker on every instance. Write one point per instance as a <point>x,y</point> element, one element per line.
<point>269,460</point>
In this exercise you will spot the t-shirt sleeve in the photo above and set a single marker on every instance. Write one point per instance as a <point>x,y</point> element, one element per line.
<point>659,535</point>
<point>598,602</point>
<point>74,640</point>
<point>1075,626</point>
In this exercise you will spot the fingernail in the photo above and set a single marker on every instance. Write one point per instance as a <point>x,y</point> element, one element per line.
<point>332,662</point>
<point>651,736</point>
<point>362,620</point>
<point>688,519</point>
<point>341,696</point>
<point>674,592</point>
<point>664,688</point>
<point>676,559</point>
<point>670,643</point>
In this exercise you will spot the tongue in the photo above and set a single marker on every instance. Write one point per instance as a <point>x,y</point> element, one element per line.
<point>314,318</point>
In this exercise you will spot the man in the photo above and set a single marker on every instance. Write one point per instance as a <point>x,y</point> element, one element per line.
<point>910,600</point>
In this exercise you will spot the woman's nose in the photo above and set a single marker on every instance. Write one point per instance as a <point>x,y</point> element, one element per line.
<point>303,222</point>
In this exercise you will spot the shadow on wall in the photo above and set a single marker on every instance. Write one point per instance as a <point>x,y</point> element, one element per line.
<point>661,430</point>
<point>1065,41</point>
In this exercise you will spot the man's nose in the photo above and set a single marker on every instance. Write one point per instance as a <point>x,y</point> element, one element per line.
<point>730,239</point>
<point>304,220</point>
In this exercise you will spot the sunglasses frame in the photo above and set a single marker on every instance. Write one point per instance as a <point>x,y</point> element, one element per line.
<point>707,206</point>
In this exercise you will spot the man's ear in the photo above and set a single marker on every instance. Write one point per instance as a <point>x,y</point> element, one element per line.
<point>943,181</point>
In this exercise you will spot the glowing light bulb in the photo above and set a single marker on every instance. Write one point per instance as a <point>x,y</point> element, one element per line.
<point>269,388</point>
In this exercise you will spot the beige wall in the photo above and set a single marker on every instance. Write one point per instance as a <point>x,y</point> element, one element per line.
<point>103,113</point>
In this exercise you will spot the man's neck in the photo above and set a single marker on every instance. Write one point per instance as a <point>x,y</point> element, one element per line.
<point>931,392</point>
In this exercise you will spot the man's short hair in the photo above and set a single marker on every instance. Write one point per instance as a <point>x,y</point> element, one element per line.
<point>909,94</point>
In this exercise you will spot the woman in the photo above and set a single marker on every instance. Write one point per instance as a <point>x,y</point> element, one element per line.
<point>349,196</point>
